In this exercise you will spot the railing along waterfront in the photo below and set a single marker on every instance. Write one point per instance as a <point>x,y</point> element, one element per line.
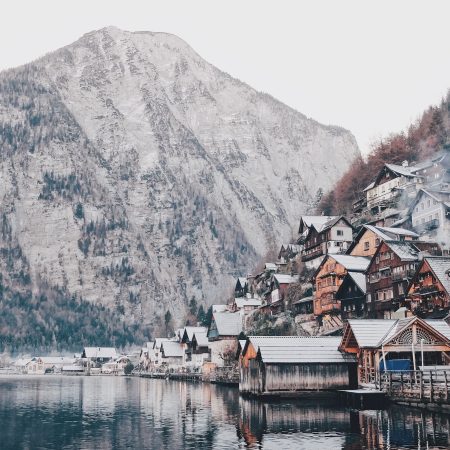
<point>429,385</point>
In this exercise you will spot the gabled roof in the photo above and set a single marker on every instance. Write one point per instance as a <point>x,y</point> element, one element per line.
<point>352,263</point>
<point>285,279</point>
<point>440,265</point>
<point>439,196</point>
<point>219,308</point>
<point>270,267</point>
<point>401,170</point>
<point>384,233</point>
<point>100,352</point>
<point>296,349</point>
<point>201,338</point>
<point>188,333</point>
<point>405,250</point>
<point>316,221</point>
<point>172,349</point>
<point>241,302</point>
<point>228,324</point>
<point>159,341</point>
<point>373,333</point>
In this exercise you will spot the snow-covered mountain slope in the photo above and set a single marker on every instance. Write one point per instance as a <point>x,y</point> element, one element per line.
<point>137,175</point>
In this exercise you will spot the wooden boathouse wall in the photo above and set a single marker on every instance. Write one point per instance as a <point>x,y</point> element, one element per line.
<point>260,378</point>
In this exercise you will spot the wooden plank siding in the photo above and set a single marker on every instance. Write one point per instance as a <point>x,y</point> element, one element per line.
<point>272,379</point>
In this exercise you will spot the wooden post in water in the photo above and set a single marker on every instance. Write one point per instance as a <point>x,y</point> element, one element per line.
<point>390,383</point>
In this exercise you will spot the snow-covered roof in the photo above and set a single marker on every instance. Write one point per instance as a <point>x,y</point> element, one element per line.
<point>401,170</point>
<point>244,301</point>
<point>285,279</point>
<point>57,360</point>
<point>359,279</point>
<point>440,265</point>
<point>189,332</point>
<point>201,338</point>
<point>219,308</point>
<point>228,324</point>
<point>270,266</point>
<point>317,221</point>
<point>377,332</point>
<point>22,362</point>
<point>296,349</point>
<point>370,186</point>
<point>100,352</point>
<point>172,349</point>
<point>352,263</point>
<point>405,250</point>
<point>158,342</point>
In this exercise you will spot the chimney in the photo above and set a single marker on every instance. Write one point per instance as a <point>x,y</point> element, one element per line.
<point>405,163</point>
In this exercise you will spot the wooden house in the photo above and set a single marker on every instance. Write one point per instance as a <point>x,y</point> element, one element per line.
<point>352,295</point>
<point>186,340</point>
<point>200,348</point>
<point>329,276</point>
<point>245,305</point>
<point>331,237</point>
<point>429,290</point>
<point>390,184</point>
<point>389,273</point>
<point>377,340</point>
<point>370,237</point>
<point>274,365</point>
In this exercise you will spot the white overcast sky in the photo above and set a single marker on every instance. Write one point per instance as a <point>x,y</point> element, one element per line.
<point>369,66</point>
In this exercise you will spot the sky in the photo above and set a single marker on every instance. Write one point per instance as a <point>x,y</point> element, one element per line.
<point>369,66</point>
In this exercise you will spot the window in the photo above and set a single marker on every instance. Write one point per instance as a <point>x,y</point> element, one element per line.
<point>340,232</point>
<point>366,245</point>
<point>401,290</point>
<point>377,242</point>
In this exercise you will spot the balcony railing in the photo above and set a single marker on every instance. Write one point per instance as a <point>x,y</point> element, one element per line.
<point>311,255</point>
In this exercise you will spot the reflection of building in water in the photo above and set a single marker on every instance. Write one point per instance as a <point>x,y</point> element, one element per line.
<point>396,427</point>
<point>260,418</point>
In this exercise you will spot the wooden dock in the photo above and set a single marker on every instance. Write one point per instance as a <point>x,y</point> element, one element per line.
<point>364,398</point>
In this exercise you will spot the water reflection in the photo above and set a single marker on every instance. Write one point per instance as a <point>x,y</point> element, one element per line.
<point>52,412</point>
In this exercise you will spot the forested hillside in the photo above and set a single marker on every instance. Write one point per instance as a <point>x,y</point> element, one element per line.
<point>423,138</point>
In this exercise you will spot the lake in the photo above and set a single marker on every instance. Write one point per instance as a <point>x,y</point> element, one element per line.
<point>63,412</point>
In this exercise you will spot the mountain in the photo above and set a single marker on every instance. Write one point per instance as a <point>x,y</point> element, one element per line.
<point>135,175</point>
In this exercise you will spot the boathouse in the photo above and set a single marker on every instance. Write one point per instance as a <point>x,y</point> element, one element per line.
<point>279,366</point>
<point>379,343</point>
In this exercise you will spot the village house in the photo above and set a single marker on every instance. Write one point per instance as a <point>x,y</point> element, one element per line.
<point>279,365</point>
<point>389,273</point>
<point>244,305</point>
<point>279,286</point>
<point>172,354</point>
<point>48,364</point>
<point>352,295</point>
<point>429,290</point>
<point>435,171</point>
<point>96,356</point>
<point>369,238</point>
<point>222,334</point>
<point>329,276</point>
<point>430,213</point>
<point>391,183</point>
<point>187,343</point>
<point>200,348</point>
<point>399,343</point>
<point>331,237</point>
<point>288,252</point>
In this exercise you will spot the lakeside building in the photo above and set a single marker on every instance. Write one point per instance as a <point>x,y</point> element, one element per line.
<point>222,335</point>
<point>277,365</point>
<point>429,290</point>
<point>352,295</point>
<point>47,364</point>
<point>414,341</point>
<point>99,355</point>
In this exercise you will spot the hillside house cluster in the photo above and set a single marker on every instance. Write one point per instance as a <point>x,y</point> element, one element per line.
<point>389,259</point>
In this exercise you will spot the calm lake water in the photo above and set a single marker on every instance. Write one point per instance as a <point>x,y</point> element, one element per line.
<point>53,412</point>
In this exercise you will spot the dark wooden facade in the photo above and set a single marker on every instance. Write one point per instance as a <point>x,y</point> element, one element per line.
<point>389,273</point>
<point>352,298</point>
<point>428,292</point>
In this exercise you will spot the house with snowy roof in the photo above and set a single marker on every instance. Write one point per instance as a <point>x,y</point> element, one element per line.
<point>324,237</point>
<point>429,289</point>
<point>388,275</point>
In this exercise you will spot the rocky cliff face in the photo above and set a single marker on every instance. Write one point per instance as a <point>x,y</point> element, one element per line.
<point>136,175</point>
